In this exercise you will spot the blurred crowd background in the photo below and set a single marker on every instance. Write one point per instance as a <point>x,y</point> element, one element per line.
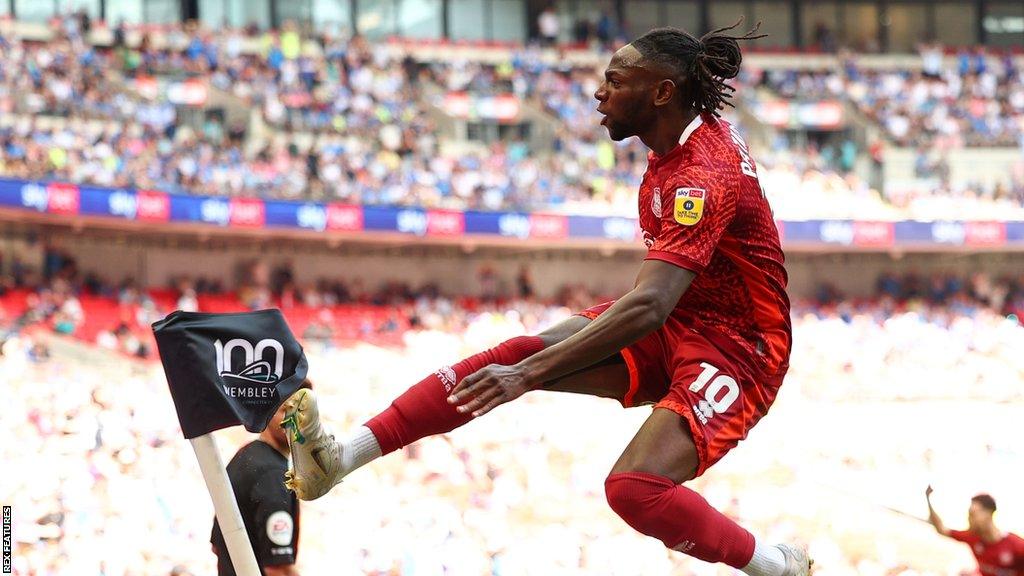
<point>278,114</point>
<point>915,379</point>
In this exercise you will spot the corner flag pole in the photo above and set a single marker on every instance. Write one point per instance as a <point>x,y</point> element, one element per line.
<point>225,506</point>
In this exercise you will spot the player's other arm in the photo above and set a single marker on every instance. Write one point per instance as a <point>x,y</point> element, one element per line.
<point>288,570</point>
<point>642,310</point>
<point>933,516</point>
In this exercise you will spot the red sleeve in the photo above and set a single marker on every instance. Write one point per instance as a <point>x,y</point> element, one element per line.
<point>962,536</point>
<point>697,208</point>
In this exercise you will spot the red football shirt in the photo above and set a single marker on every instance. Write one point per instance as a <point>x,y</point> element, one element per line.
<point>1004,558</point>
<point>702,208</point>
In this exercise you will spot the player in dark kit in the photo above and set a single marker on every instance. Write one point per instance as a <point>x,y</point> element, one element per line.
<point>704,335</point>
<point>998,553</point>
<point>269,511</point>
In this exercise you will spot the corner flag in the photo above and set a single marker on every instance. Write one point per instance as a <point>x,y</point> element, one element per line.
<point>224,370</point>
<point>228,369</point>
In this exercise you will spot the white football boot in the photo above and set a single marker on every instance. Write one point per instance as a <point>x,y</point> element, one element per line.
<point>316,457</point>
<point>797,561</point>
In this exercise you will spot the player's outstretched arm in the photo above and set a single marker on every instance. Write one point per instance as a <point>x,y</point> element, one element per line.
<point>642,310</point>
<point>933,516</point>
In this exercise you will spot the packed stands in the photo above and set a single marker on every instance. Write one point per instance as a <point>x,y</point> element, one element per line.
<point>466,504</point>
<point>354,121</point>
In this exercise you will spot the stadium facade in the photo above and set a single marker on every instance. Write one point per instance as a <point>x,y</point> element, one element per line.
<point>875,25</point>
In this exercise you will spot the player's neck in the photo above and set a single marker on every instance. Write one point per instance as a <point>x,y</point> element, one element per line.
<point>664,135</point>
<point>268,439</point>
<point>990,534</point>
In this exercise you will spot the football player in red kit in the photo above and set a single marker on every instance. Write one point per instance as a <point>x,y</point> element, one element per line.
<point>704,335</point>
<point>998,553</point>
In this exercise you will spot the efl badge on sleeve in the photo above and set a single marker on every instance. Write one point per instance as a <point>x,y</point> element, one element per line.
<point>689,205</point>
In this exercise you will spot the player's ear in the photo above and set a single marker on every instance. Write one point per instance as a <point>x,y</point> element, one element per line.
<point>665,91</point>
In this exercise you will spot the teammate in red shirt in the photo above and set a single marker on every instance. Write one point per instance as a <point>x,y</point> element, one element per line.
<point>998,553</point>
<point>704,335</point>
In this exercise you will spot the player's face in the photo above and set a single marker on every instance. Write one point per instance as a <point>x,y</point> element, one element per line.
<point>978,517</point>
<point>276,431</point>
<point>625,96</point>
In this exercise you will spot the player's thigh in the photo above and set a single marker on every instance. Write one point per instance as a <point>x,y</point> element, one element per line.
<point>606,379</point>
<point>663,446</point>
<point>718,399</point>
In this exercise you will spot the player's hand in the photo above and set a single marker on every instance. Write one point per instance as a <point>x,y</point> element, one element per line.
<point>488,388</point>
<point>928,491</point>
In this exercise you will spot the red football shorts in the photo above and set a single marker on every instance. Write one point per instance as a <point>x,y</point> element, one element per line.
<point>717,393</point>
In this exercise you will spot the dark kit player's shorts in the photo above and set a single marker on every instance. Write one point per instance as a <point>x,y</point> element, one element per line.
<point>677,368</point>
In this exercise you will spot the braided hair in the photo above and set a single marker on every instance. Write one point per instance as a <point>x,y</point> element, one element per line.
<point>699,65</point>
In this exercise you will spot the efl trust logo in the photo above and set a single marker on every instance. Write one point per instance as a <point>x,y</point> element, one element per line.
<point>256,377</point>
<point>689,206</point>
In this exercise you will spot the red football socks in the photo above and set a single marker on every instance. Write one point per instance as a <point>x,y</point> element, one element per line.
<point>423,410</point>
<point>679,517</point>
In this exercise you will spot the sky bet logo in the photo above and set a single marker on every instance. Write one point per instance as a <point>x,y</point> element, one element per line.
<point>35,197</point>
<point>122,203</point>
<point>256,377</point>
<point>312,216</point>
<point>412,222</point>
<point>215,211</point>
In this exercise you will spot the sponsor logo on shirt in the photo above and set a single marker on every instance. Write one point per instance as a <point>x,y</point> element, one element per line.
<point>280,527</point>
<point>689,205</point>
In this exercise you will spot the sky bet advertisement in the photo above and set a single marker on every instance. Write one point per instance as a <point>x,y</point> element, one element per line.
<point>253,213</point>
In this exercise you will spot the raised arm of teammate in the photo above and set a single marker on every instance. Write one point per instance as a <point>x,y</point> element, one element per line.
<point>644,309</point>
<point>933,516</point>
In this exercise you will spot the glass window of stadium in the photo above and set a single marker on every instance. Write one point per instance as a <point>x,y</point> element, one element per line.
<point>91,7</point>
<point>642,15</point>
<point>1003,23</point>
<point>377,18</point>
<point>584,20</point>
<point>299,11</point>
<point>35,10</point>
<point>410,18</point>
<point>776,21</point>
<point>420,18</point>
<point>139,11</point>
<point>333,16</point>
<point>235,13</point>
<point>819,23</point>
<point>906,26</point>
<point>956,23</point>
<point>722,14</point>
<point>466,19</point>
<point>859,26</point>
<point>681,14</point>
<point>508,20</point>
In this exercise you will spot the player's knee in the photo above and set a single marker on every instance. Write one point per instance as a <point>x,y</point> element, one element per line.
<point>638,499</point>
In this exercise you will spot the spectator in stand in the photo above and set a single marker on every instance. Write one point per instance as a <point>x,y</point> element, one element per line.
<point>548,26</point>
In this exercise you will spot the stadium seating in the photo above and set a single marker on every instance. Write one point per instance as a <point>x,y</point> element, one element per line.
<point>355,122</point>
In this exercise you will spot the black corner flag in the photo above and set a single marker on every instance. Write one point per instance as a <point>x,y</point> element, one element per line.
<point>228,369</point>
<point>224,370</point>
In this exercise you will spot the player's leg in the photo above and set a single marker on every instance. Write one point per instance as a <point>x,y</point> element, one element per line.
<point>710,406</point>
<point>319,462</point>
<point>644,488</point>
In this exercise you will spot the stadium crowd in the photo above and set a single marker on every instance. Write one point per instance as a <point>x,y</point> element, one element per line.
<point>345,119</point>
<point>971,103</point>
<point>521,489</point>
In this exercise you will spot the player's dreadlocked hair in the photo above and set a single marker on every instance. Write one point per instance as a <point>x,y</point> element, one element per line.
<point>701,65</point>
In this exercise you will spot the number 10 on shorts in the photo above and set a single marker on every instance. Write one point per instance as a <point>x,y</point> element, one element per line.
<point>720,391</point>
